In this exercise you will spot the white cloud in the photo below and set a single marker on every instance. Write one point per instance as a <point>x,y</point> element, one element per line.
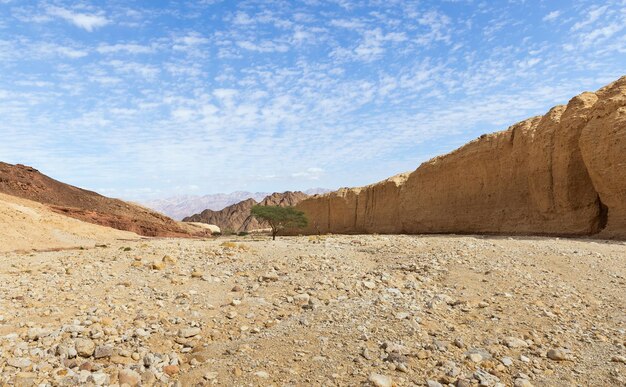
<point>351,24</point>
<point>242,18</point>
<point>51,49</point>
<point>264,46</point>
<point>88,22</point>
<point>552,16</point>
<point>327,108</point>
<point>130,48</point>
<point>592,16</point>
<point>313,173</point>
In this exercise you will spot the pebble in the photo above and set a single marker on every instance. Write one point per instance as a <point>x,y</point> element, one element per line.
<point>103,351</point>
<point>557,354</point>
<point>520,382</point>
<point>485,378</point>
<point>381,380</point>
<point>19,362</point>
<point>369,284</point>
<point>189,332</point>
<point>514,342</point>
<point>619,359</point>
<point>171,370</point>
<point>129,377</point>
<point>84,347</point>
<point>475,357</point>
<point>270,277</point>
<point>148,333</point>
<point>99,378</point>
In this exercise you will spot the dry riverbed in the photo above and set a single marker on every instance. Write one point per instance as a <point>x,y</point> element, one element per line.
<point>336,310</point>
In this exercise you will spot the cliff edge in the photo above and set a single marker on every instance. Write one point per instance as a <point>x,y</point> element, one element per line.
<point>563,173</point>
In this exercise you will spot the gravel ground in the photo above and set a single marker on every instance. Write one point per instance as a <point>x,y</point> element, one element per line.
<point>334,310</point>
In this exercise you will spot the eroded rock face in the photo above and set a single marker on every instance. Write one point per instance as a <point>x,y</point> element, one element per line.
<point>603,147</point>
<point>560,174</point>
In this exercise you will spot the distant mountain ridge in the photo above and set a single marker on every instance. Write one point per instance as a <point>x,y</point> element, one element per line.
<point>179,207</point>
<point>236,217</point>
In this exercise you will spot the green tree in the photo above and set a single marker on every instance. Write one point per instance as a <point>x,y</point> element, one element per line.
<point>279,218</point>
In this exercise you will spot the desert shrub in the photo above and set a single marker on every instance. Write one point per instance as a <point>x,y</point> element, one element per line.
<point>279,218</point>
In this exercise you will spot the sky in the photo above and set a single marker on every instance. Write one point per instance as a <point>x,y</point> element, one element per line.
<point>149,99</point>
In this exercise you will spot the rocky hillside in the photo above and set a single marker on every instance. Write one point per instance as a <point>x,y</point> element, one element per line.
<point>26,225</point>
<point>237,217</point>
<point>563,173</point>
<point>28,183</point>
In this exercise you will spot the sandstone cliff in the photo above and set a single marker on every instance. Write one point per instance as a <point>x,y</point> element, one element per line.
<point>560,174</point>
<point>28,183</point>
<point>237,217</point>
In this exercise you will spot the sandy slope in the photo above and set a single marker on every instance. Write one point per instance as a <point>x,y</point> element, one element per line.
<point>27,225</point>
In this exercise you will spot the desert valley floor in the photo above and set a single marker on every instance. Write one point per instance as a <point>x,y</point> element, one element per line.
<point>331,310</point>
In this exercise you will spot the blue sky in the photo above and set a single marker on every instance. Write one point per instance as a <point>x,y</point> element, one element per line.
<point>145,99</point>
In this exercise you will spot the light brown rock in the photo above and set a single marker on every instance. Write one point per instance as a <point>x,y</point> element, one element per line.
<point>560,174</point>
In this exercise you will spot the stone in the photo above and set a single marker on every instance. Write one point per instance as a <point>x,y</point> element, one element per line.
<point>557,354</point>
<point>301,299</point>
<point>475,357</point>
<point>169,260</point>
<point>128,376</point>
<point>148,378</point>
<point>507,361</point>
<point>379,380</point>
<point>117,359</point>
<point>262,374</point>
<point>270,277</point>
<point>369,284</point>
<point>25,379</point>
<point>86,366</point>
<point>84,347</point>
<point>171,370</point>
<point>210,375</point>
<point>520,382</point>
<point>463,383</point>
<point>37,333</point>
<point>19,362</point>
<point>514,342</point>
<point>99,378</point>
<point>103,351</point>
<point>619,359</point>
<point>158,265</point>
<point>189,332</point>
<point>432,383</point>
<point>485,378</point>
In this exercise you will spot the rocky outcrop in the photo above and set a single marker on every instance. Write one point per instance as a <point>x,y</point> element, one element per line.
<point>28,183</point>
<point>560,174</point>
<point>236,218</point>
<point>230,219</point>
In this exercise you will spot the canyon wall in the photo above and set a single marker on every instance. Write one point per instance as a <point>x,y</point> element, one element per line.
<point>560,174</point>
